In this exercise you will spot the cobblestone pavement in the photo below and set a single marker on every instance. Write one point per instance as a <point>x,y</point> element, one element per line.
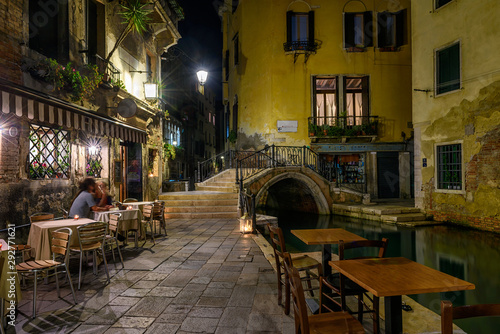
<point>204,277</point>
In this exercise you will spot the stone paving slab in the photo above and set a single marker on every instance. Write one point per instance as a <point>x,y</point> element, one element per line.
<point>209,279</point>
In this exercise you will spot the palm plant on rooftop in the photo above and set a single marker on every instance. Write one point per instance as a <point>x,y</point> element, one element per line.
<point>136,18</point>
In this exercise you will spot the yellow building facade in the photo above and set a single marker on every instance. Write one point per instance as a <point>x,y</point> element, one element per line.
<point>456,110</point>
<point>334,75</point>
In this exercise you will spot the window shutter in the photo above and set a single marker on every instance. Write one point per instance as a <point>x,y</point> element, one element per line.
<point>381,29</point>
<point>311,27</point>
<point>348,30</point>
<point>401,34</point>
<point>365,82</point>
<point>226,64</point>
<point>289,16</point>
<point>368,28</point>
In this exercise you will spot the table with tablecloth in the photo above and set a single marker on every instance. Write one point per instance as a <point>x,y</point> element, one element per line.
<point>131,219</point>
<point>40,236</point>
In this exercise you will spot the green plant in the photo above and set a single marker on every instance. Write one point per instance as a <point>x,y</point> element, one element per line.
<point>136,18</point>
<point>117,83</point>
<point>335,131</point>
<point>169,151</point>
<point>232,136</point>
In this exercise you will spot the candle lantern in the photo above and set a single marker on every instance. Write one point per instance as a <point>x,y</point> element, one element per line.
<point>76,217</point>
<point>129,207</point>
<point>246,224</point>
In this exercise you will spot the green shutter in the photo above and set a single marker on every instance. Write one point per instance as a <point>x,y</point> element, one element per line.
<point>349,30</point>
<point>401,30</point>
<point>381,29</point>
<point>289,15</point>
<point>368,28</point>
<point>311,27</point>
<point>448,65</point>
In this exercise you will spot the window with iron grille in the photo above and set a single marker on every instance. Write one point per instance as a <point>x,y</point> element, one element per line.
<point>93,161</point>
<point>49,154</point>
<point>449,168</point>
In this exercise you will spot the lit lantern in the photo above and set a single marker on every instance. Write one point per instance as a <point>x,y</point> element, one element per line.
<point>246,224</point>
<point>129,207</point>
<point>150,90</point>
<point>76,217</point>
<point>202,77</point>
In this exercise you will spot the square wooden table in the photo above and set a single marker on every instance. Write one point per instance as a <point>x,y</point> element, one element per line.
<point>326,237</point>
<point>393,277</point>
<point>40,236</point>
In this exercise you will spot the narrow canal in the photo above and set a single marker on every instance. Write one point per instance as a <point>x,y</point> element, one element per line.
<point>468,254</point>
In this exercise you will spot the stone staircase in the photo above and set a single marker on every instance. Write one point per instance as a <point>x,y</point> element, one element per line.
<point>390,214</point>
<point>214,198</point>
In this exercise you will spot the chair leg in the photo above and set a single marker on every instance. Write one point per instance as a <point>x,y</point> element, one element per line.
<point>119,254</point>
<point>80,272</point>
<point>57,283</point>
<point>287,296</point>
<point>113,250</point>
<point>70,283</point>
<point>309,285</point>
<point>34,293</point>
<point>105,262</point>
<point>280,291</point>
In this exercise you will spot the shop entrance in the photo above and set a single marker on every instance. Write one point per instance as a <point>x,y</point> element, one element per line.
<point>134,171</point>
<point>388,174</point>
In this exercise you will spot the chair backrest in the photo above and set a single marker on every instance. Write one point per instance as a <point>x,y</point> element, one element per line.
<point>158,208</point>
<point>114,222</point>
<point>380,244</point>
<point>41,216</point>
<point>448,313</point>
<point>298,298</point>
<point>60,243</point>
<point>278,243</point>
<point>130,200</point>
<point>147,211</point>
<point>92,233</point>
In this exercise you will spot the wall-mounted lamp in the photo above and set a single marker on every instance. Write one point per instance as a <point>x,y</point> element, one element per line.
<point>202,76</point>
<point>174,143</point>
<point>150,90</point>
<point>93,150</point>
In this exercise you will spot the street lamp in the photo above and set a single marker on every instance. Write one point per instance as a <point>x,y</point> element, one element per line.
<point>150,90</point>
<point>202,76</point>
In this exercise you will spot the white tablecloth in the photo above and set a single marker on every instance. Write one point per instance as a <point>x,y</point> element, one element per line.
<point>130,218</point>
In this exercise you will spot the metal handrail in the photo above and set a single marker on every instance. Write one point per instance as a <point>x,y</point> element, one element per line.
<point>216,165</point>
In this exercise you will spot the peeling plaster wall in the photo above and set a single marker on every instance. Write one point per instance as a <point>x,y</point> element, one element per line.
<point>470,115</point>
<point>269,86</point>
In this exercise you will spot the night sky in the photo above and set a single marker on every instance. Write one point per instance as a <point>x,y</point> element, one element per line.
<point>202,38</point>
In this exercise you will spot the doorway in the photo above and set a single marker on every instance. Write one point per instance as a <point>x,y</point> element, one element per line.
<point>388,174</point>
<point>133,175</point>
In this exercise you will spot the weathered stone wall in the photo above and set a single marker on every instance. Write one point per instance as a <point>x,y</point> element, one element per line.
<point>11,39</point>
<point>477,122</point>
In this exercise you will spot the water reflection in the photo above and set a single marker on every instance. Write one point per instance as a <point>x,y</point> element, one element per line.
<point>463,253</point>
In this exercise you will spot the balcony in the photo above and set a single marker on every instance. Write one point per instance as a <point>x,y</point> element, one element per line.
<point>343,128</point>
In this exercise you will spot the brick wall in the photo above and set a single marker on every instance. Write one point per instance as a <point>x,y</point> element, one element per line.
<point>11,37</point>
<point>483,223</point>
<point>9,152</point>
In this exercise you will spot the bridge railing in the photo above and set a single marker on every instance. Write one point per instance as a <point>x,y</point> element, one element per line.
<point>279,156</point>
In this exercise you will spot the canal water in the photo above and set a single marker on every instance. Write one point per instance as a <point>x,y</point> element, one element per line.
<point>467,254</point>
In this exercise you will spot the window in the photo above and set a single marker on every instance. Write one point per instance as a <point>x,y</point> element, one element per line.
<point>49,153</point>
<point>226,64</point>
<point>391,29</point>
<point>95,30</point>
<point>48,28</point>
<point>300,31</point>
<point>93,160</point>
<point>441,3</point>
<point>449,167</point>
<point>236,50</point>
<point>325,94</point>
<point>358,30</point>
<point>356,100</point>
<point>448,69</point>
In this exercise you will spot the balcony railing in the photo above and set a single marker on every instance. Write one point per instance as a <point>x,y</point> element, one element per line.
<point>343,126</point>
<point>110,69</point>
<point>309,46</point>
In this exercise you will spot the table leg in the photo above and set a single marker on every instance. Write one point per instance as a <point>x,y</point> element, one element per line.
<point>325,257</point>
<point>393,315</point>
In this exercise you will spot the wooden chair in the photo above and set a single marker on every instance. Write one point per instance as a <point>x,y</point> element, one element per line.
<point>331,323</point>
<point>159,216</point>
<point>449,313</point>
<point>147,220</point>
<point>91,237</point>
<point>112,236</point>
<point>342,286</point>
<point>41,216</point>
<point>302,263</point>
<point>130,200</point>
<point>60,246</point>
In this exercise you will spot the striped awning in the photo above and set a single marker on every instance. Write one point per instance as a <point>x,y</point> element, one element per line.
<point>39,107</point>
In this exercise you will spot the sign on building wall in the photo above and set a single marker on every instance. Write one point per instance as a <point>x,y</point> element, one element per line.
<point>287,126</point>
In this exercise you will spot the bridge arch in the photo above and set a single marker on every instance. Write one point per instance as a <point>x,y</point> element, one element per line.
<point>319,188</point>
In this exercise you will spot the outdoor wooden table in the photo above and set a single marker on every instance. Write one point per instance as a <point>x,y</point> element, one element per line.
<point>393,277</point>
<point>40,235</point>
<point>326,237</point>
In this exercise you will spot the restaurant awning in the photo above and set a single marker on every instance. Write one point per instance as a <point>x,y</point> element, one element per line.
<point>36,106</point>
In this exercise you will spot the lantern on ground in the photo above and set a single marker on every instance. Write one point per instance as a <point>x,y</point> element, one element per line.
<point>246,224</point>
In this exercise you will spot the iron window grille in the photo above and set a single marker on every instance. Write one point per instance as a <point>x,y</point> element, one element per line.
<point>450,166</point>
<point>93,161</point>
<point>49,153</point>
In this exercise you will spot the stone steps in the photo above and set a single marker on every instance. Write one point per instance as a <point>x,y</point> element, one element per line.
<point>204,215</point>
<point>197,195</point>
<point>198,209</point>
<point>215,188</point>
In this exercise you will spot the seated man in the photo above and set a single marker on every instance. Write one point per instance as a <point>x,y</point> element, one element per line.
<point>84,200</point>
